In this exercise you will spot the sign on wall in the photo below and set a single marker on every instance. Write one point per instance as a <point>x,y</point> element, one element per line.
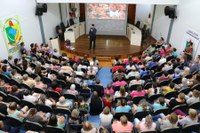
<point>191,36</point>
<point>12,34</point>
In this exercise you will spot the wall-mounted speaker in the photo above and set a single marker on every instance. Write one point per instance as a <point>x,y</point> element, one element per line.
<point>39,10</point>
<point>170,11</point>
<point>44,6</point>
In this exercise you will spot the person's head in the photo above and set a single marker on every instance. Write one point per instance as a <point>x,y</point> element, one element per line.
<point>165,73</point>
<point>148,121</point>
<point>154,85</point>
<point>139,88</point>
<point>25,77</point>
<point>4,68</point>
<point>195,93</point>
<point>84,85</point>
<point>87,126</point>
<point>38,69</point>
<point>192,114</point>
<point>123,120</point>
<point>13,71</point>
<point>161,101</point>
<point>173,118</point>
<point>42,98</point>
<point>181,96</point>
<point>32,112</point>
<point>123,102</point>
<point>14,88</point>
<point>109,86</point>
<point>97,81</point>
<point>62,99</point>
<point>12,106</point>
<point>95,94</point>
<point>75,113</point>
<point>80,99</point>
<point>137,77</point>
<point>73,87</point>
<point>108,96</point>
<point>144,106</point>
<point>106,110</point>
<point>26,92</point>
<point>53,120</point>
<point>92,25</point>
<point>171,85</point>
<point>22,44</point>
<point>54,85</point>
<point>122,90</point>
<point>37,79</point>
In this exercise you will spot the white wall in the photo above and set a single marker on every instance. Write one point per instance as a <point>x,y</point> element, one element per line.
<point>188,13</point>
<point>50,20</point>
<point>142,13</point>
<point>161,23</point>
<point>25,9</point>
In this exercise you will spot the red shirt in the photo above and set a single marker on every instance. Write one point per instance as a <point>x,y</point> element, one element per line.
<point>107,103</point>
<point>115,68</point>
<point>59,90</point>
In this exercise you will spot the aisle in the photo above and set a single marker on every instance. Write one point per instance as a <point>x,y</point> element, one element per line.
<point>105,76</point>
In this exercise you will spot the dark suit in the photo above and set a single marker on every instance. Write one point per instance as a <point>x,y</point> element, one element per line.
<point>92,34</point>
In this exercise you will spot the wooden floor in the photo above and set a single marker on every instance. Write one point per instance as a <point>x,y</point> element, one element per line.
<point>106,46</point>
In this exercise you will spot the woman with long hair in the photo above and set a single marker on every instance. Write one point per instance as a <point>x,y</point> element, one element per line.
<point>146,124</point>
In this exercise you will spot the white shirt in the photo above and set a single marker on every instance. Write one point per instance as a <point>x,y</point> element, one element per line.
<point>162,60</point>
<point>106,119</point>
<point>30,98</point>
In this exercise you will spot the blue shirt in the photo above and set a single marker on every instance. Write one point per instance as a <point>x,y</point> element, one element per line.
<point>157,106</point>
<point>7,73</point>
<point>125,109</point>
<point>92,33</point>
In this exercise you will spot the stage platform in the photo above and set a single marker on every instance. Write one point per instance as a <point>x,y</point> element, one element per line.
<point>107,46</point>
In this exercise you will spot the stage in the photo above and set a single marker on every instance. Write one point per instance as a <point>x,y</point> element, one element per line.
<point>107,46</point>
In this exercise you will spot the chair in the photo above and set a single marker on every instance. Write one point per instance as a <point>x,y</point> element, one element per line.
<point>182,107</point>
<point>146,77</point>
<point>11,98</point>
<point>171,130</point>
<point>43,108</point>
<point>191,128</point>
<point>157,74</point>
<point>76,128</point>
<point>2,117</point>
<point>15,82</point>
<point>120,98</point>
<point>119,114</point>
<point>141,114</point>
<point>195,72</point>
<point>33,75</point>
<point>33,65</point>
<point>5,78</point>
<point>19,70</point>
<point>189,76</point>
<point>70,96</point>
<point>25,86</point>
<point>61,83</point>
<point>170,71</point>
<point>3,95</point>
<point>150,132</point>
<point>14,122</point>
<point>33,126</point>
<point>85,93</point>
<point>154,97</point>
<point>47,81</point>
<point>195,105</point>
<point>27,103</point>
<point>196,87</point>
<point>38,90</point>
<point>169,95</point>
<point>53,94</point>
<point>62,111</point>
<point>164,111</point>
<point>137,99</point>
<point>184,90</point>
<point>148,85</point>
<point>177,80</point>
<point>154,68</point>
<point>54,72</point>
<point>51,129</point>
<point>164,83</point>
<point>134,87</point>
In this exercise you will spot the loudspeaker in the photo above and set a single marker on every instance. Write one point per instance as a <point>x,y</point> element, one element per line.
<point>44,6</point>
<point>39,10</point>
<point>170,11</point>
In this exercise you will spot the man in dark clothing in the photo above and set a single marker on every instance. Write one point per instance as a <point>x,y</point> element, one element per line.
<point>92,34</point>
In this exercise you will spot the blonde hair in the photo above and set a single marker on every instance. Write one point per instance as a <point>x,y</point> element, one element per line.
<point>75,113</point>
<point>106,110</point>
<point>192,114</point>
<point>124,120</point>
<point>173,118</point>
<point>87,126</point>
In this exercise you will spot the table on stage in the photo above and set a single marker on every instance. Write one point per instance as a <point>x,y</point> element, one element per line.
<point>134,34</point>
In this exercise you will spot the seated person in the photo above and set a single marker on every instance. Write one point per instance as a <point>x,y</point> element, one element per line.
<point>116,67</point>
<point>153,90</point>
<point>54,87</point>
<point>118,73</point>
<point>121,93</point>
<point>119,82</point>
<point>46,101</point>
<point>109,89</point>
<point>39,83</point>
<point>192,118</point>
<point>15,91</point>
<point>16,76</point>
<point>116,61</point>
<point>123,107</point>
<point>106,118</point>
<point>57,121</point>
<point>133,73</point>
<point>141,107</point>
<point>177,101</point>
<point>138,92</point>
<point>194,97</point>
<point>13,112</point>
<point>30,97</point>
<point>123,125</point>
<point>137,81</point>
<point>6,71</point>
<point>64,103</point>
<point>28,81</point>
<point>107,100</point>
<point>35,116</point>
<point>159,104</point>
<point>88,128</point>
<point>74,118</point>
<point>72,90</point>
<point>167,89</point>
<point>165,76</point>
<point>146,124</point>
<point>170,121</point>
<point>91,72</point>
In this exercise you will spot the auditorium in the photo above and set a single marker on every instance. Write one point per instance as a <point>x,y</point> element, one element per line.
<point>99,66</point>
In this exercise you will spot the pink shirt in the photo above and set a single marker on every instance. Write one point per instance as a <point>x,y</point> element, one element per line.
<point>136,93</point>
<point>119,83</point>
<point>143,127</point>
<point>118,127</point>
<point>111,91</point>
<point>162,52</point>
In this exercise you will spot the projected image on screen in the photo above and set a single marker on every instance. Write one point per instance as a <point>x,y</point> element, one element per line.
<point>106,11</point>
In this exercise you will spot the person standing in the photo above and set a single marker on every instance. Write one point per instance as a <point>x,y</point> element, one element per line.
<point>92,35</point>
